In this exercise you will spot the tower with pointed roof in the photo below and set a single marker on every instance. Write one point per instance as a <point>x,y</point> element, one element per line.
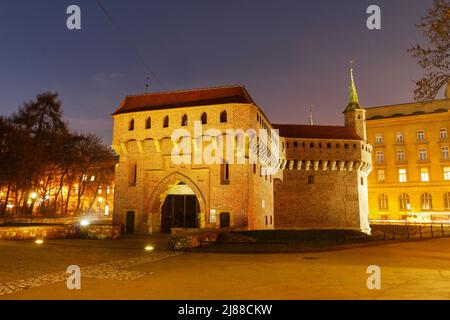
<point>355,115</point>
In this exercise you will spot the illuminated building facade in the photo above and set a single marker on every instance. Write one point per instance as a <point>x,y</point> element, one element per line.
<point>320,182</point>
<point>410,180</point>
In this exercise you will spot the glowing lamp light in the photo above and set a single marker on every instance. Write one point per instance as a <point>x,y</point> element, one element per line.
<point>106,210</point>
<point>149,248</point>
<point>34,195</point>
<point>10,206</point>
<point>39,241</point>
<point>84,223</point>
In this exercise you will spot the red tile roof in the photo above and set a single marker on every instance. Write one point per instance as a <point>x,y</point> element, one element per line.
<point>184,98</point>
<point>316,132</point>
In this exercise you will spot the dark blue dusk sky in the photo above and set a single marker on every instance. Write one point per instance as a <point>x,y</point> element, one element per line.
<point>289,54</point>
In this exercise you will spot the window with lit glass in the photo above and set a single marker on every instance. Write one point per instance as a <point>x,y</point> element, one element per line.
<point>443,133</point>
<point>447,173</point>
<point>402,175</point>
<point>424,175</point>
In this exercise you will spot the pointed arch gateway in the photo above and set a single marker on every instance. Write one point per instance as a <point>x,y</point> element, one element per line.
<point>176,202</point>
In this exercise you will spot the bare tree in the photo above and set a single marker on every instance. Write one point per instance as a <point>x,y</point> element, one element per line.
<point>433,58</point>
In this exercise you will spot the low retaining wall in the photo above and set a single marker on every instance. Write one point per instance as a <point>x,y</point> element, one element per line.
<point>35,232</point>
<point>185,239</point>
<point>102,232</point>
<point>99,232</point>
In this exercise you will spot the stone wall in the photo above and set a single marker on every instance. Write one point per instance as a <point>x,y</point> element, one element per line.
<point>188,239</point>
<point>331,200</point>
<point>99,232</point>
<point>36,232</point>
<point>102,232</point>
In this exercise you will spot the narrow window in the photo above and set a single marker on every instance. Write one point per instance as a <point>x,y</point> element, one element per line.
<point>184,121</point>
<point>131,125</point>
<point>225,173</point>
<point>166,122</point>
<point>132,174</point>
<point>310,179</point>
<point>204,118</point>
<point>223,117</point>
<point>148,123</point>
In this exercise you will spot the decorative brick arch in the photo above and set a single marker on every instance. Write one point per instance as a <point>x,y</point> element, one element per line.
<point>159,194</point>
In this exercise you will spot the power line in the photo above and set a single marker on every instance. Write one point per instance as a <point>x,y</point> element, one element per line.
<point>130,44</point>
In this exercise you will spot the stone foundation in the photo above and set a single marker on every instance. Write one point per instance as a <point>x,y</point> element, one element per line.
<point>185,239</point>
<point>29,233</point>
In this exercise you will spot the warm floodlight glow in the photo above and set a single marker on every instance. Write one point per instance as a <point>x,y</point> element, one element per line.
<point>106,210</point>
<point>39,241</point>
<point>84,223</point>
<point>149,248</point>
<point>34,195</point>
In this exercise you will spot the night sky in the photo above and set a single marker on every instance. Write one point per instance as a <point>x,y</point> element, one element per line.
<point>289,54</point>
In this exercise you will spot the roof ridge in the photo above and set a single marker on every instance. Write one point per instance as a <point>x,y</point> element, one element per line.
<point>188,90</point>
<point>308,125</point>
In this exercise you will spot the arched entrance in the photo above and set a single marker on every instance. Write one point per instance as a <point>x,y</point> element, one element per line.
<point>160,204</point>
<point>180,209</point>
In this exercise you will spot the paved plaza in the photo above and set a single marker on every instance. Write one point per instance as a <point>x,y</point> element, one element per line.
<point>122,269</point>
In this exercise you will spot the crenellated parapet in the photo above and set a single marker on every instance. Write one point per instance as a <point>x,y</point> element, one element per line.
<point>326,165</point>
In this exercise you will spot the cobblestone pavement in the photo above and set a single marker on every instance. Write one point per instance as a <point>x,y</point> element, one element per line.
<point>110,270</point>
